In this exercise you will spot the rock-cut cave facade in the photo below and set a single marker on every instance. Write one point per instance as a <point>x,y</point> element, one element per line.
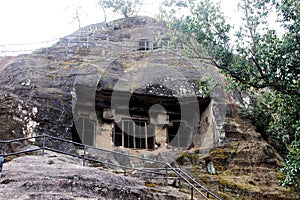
<point>146,94</point>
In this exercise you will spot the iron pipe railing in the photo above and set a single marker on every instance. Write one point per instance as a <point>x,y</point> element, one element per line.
<point>181,175</point>
<point>198,184</point>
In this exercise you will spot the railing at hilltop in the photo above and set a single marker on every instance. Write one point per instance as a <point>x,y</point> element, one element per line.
<point>166,172</point>
<point>83,41</point>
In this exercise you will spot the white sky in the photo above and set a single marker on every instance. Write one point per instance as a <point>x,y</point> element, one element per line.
<point>35,21</point>
<point>27,21</point>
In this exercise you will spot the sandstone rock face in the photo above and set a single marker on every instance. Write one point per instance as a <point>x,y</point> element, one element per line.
<point>46,91</point>
<point>59,177</point>
<point>243,167</point>
<point>35,97</point>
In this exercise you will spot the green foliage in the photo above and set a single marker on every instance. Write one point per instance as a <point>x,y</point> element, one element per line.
<point>204,31</point>
<point>277,118</point>
<point>258,111</point>
<point>267,60</point>
<point>206,84</point>
<point>291,170</point>
<point>285,125</point>
<point>257,58</point>
<point>125,7</point>
<point>285,117</point>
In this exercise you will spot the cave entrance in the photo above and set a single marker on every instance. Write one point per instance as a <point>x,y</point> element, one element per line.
<point>176,137</point>
<point>143,45</point>
<point>84,131</point>
<point>134,134</point>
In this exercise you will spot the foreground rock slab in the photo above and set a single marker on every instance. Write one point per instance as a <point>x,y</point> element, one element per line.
<point>59,177</point>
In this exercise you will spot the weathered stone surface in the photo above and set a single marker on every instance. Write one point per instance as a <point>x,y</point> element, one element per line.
<point>245,166</point>
<point>60,177</point>
<point>41,93</point>
<point>45,91</point>
<point>37,100</point>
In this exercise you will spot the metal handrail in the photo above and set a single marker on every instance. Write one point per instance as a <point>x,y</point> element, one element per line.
<point>104,150</point>
<point>88,40</point>
<point>165,175</point>
<point>20,139</point>
<point>198,184</point>
<point>193,187</point>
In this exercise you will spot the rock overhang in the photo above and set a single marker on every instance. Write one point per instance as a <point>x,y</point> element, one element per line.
<point>54,73</point>
<point>156,72</point>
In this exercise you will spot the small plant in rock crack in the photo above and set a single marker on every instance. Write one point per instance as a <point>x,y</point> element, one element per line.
<point>206,85</point>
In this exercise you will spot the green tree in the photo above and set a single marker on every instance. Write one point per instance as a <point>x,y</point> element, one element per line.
<point>125,7</point>
<point>255,58</point>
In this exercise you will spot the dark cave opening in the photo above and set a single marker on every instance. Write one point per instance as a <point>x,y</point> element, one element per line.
<point>133,134</point>
<point>176,138</point>
<point>83,131</point>
<point>132,122</point>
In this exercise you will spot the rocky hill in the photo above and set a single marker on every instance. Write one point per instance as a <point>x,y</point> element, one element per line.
<point>38,95</point>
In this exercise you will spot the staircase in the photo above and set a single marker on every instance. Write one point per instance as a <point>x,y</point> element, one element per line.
<point>131,164</point>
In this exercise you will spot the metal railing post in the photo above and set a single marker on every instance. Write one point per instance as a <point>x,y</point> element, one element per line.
<point>107,41</point>
<point>43,145</point>
<point>182,175</point>
<point>84,155</point>
<point>143,163</point>
<point>166,175</point>
<point>179,184</point>
<point>4,149</point>
<point>125,164</point>
<point>69,40</point>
